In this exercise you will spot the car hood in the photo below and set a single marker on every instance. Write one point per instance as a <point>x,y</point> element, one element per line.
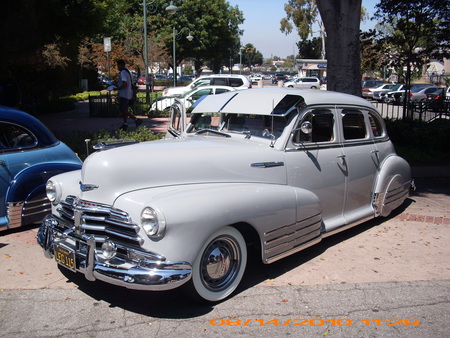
<point>190,160</point>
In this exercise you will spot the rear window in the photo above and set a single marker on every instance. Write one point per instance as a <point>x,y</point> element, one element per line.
<point>236,82</point>
<point>14,136</point>
<point>354,125</point>
<point>219,81</point>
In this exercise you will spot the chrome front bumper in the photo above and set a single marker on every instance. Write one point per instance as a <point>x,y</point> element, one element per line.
<point>136,270</point>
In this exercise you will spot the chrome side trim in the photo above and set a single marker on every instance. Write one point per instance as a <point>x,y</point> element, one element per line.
<point>14,212</point>
<point>267,164</point>
<point>286,240</point>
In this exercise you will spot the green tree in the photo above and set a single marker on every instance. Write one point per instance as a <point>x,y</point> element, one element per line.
<point>214,24</point>
<point>310,49</point>
<point>415,31</point>
<point>40,42</point>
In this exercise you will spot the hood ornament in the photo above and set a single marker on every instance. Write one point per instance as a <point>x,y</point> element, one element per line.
<point>87,187</point>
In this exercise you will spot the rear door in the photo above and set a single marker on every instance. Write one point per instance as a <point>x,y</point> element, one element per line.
<point>361,162</point>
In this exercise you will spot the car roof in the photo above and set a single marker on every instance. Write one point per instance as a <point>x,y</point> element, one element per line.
<point>272,101</point>
<point>43,134</point>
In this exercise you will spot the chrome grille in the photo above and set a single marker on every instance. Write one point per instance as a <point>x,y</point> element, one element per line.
<point>102,221</point>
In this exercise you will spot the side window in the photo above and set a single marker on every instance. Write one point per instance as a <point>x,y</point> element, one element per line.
<point>321,123</point>
<point>236,82</point>
<point>202,82</point>
<point>14,136</point>
<point>376,125</point>
<point>219,81</point>
<point>353,124</point>
<point>195,96</point>
<point>221,90</point>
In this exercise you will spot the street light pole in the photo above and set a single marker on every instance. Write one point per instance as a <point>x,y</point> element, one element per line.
<point>147,94</point>
<point>240,60</point>
<point>171,9</point>
<point>177,36</point>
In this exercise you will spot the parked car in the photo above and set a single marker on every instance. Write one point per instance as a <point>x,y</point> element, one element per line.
<point>441,93</point>
<point>190,97</point>
<point>369,93</point>
<point>380,95</point>
<point>141,79</point>
<point>398,95</point>
<point>29,156</point>
<point>437,100</point>
<point>279,77</point>
<point>160,77</point>
<point>230,80</point>
<point>303,82</point>
<point>367,85</point>
<point>418,94</point>
<point>272,170</point>
<point>255,78</point>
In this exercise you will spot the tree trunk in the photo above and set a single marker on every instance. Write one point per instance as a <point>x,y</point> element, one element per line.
<point>342,19</point>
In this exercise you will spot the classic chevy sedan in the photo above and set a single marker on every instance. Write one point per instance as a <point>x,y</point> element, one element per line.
<point>273,170</point>
<point>29,156</point>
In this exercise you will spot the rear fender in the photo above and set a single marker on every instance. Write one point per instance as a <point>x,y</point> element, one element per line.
<point>32,180</point>
<point>392,185</point>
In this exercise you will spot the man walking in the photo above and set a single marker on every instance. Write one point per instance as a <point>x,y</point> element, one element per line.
<point>125,94</point>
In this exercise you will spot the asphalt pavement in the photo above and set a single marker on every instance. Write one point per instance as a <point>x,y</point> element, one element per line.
<point>389,277</point>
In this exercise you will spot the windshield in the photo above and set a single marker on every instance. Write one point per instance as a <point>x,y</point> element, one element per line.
<point>254,125</point>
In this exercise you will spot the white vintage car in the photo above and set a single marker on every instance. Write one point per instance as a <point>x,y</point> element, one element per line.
<point>273,170</point>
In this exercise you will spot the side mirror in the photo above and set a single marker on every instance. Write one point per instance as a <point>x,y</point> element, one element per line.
<point>306,127</point>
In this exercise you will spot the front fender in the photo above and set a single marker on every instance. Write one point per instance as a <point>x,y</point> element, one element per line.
<point>194,212</point>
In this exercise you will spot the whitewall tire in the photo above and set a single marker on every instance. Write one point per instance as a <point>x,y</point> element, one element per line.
<point>220,265</point>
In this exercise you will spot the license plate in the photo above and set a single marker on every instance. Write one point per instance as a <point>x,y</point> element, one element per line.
<point>65,257</point>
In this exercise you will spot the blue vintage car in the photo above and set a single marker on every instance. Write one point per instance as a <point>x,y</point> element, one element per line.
<point>29,156</point>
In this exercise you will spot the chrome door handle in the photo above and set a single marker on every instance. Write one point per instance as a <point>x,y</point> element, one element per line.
<point>342,157</point>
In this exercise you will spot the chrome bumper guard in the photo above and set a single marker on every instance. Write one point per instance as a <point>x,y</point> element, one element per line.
<point>136,273</point>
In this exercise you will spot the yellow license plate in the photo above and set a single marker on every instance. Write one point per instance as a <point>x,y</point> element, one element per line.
<point>64,257</point>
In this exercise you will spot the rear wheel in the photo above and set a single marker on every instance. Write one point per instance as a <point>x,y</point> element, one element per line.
<point>220,265</point>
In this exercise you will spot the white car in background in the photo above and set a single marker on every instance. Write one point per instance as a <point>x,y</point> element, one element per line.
<point>384,88</point>
<point>231,80</point>
<point>303,82</point>
<point>190,97</point>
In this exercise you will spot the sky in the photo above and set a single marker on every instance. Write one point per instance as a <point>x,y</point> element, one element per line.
<point>262,26</point>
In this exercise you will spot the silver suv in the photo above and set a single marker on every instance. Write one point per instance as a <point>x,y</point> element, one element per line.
<point>238,82</point>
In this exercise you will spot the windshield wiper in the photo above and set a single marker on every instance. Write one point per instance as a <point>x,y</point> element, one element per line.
<point>212,132</point>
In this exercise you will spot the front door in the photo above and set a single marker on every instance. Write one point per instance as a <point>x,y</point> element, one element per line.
<point>315,162</point>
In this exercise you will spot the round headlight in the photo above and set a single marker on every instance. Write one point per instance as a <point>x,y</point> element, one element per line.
<point>53,191</point>
<point>149,221</point>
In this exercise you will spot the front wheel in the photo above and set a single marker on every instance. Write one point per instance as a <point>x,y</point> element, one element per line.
<point>220,265</point>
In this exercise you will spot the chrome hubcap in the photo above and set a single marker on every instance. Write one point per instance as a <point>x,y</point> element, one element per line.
<point>220,263</point>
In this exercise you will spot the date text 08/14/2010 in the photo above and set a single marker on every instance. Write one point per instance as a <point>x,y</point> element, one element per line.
<point>315,322</point>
